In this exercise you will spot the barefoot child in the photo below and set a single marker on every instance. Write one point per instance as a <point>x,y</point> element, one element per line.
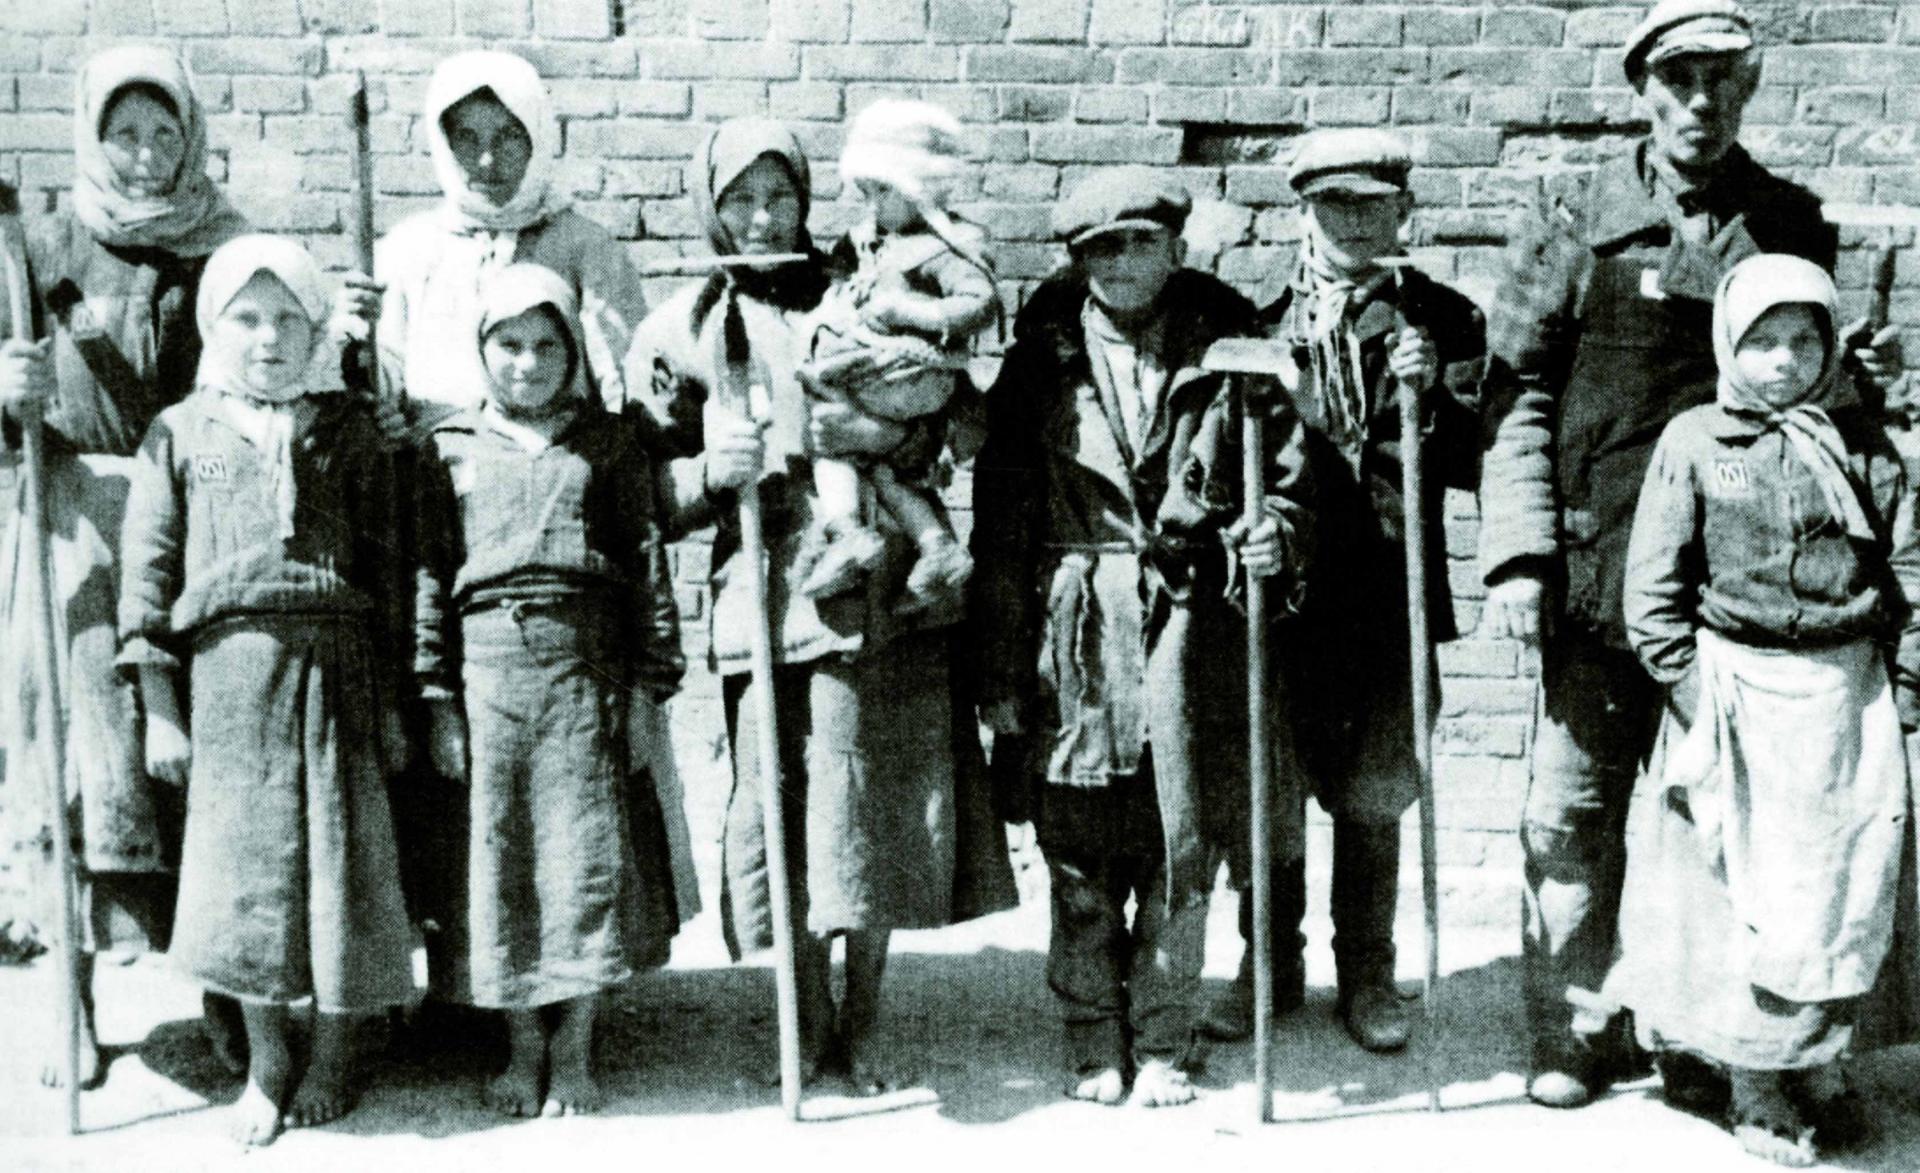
<point>1107,503</point>
<point>259,563</point>
<point>543,598</point>
<point>1770,579</point>
<point>894,335</point>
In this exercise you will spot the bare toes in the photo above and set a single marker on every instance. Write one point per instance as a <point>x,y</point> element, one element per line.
<point>254,1120</point>
<point>1106,1086</point>
<point>513,1093</point>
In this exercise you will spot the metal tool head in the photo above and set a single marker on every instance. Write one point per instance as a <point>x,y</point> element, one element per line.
<point>1870,215</point>
<point>697,266</point>
<point>1249,356</point>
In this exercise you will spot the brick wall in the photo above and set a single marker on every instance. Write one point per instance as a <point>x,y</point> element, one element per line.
<point>1498,99</point>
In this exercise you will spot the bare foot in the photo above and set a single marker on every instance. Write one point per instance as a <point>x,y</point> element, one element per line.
<point>326,1092</point>
<point>1106,1086</point>
<point>571,1088</point>
<point>93,1066</point>
<point>869,1078</point>
<point>1159,1084</point>
<point>516,1091</point>
<point>254,1120</point>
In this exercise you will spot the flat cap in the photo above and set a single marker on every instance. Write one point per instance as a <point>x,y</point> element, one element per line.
<point>1122,197</point>
<point>1674,27</point>
<point>1358,162</point>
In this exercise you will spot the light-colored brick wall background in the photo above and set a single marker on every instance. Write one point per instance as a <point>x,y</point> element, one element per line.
<point>1500,100</point>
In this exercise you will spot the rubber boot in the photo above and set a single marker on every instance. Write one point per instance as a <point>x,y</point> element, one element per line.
<point>1366,892</point>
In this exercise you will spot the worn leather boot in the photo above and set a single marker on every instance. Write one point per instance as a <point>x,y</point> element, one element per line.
<point>1230,1018</point>
<point>1366,891</point>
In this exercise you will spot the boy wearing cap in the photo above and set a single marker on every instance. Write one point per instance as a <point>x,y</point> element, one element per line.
<point>1106,538</point>
<point>894,334</point>
<point>1599,336</point>
<point>1363,332</point>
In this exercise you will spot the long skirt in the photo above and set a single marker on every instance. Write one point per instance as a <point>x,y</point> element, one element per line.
<point>569,886</point>
<point>1762,914</point>
<point>887,815</point>
<point>127,826</point>
<point>289,879</point>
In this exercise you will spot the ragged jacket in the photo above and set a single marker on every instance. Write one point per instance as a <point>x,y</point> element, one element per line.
<point>1732,533</point>
<point>1100,598</point>
<point>581,517</point>
<point>1598,337</point>
<point>202,540</point>
<point>1348,651</point>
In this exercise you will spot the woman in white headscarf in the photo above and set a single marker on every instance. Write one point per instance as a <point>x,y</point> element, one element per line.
<point>262,577</point>
<point>113,276</point>
<point>494,140</point>
<point>1771,583</point>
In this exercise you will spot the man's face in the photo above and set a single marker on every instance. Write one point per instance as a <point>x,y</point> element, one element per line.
<point>1351,232</point>
<point>1695,101</point>
<point>1127,268</point>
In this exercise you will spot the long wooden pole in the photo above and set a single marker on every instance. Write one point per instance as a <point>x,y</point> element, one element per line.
<point>1420,654</point>
<point>65,948</point>
<point>363,234</point>
<point>1253,480</point>
<point>753,548</point>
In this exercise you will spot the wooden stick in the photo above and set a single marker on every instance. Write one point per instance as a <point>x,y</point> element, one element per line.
<point>753,548</point>
<point>697,266</point>
<point>1253,480</point>
<point>1420,653</point>
<point>53,726</point>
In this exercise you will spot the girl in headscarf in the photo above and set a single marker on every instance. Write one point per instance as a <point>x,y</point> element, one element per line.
<point>543,598</point>
<point>113,276</point>
<point>494,140</point>
<point>1771,582</point>
<point>260,561</point>
<point>887,821</point>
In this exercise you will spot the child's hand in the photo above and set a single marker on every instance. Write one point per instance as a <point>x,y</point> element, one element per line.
<point>881,310</point>
<point>1260,548</point>
<point>26,376</point>
<point>356,310</point>
<point>1876,355</point>
<point>447,739</point>
<point>734,448</point>
<point>1516,609</point>
<point>1414,360</point>
<point>169,753</point>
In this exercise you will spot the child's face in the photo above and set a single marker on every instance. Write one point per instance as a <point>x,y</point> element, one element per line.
<point>491,146</point>
<point>892,210</point>
<point>761,208</point>
<point>1127,268</point>
<point>1352,232</point>
<point>265,334</point>
<point>1781,354</point>
<point>145,143</point>
<point>526,357</point>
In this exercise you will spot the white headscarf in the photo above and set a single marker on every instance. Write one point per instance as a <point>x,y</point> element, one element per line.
<point>515,290</point>
<point>191,220</point>
<point>1750,289</point>
<point>269,421</point>
<point>518,87</point>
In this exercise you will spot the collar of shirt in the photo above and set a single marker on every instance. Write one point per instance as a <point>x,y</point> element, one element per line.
<point>530,438</point>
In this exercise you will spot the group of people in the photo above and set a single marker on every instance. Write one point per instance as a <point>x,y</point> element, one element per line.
<point>320,549</point>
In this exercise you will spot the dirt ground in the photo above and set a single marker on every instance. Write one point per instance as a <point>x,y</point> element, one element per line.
<point>967,1010</point>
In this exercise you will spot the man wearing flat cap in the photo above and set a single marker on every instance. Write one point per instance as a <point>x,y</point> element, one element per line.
<point>1110,549</point>
<point>1363,332</point>
<point>1598,336</point>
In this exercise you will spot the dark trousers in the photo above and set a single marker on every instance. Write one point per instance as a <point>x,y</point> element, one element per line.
<point>1366,890</point>
<point>1594,719</point>
<point>1126,992</point>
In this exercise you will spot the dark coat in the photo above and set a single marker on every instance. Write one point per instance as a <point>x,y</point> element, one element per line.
<point>1101,590</point>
